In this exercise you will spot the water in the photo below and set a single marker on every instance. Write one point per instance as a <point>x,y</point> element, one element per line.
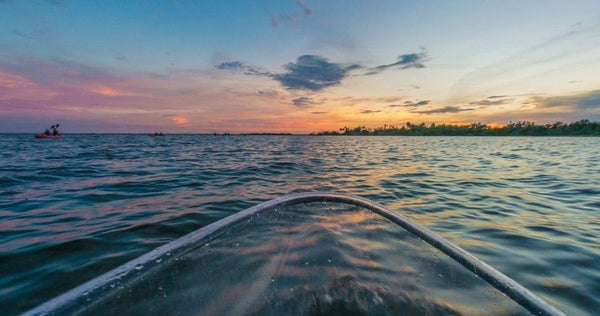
<point>71,209</point>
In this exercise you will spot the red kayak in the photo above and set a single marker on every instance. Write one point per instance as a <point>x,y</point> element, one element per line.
<point>47,136</point>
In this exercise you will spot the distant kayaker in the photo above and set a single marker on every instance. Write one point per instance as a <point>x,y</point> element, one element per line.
<point>55,130</point>
<point>47,132</point>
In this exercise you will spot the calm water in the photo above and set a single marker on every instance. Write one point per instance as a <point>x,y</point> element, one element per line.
<point>73,208</point>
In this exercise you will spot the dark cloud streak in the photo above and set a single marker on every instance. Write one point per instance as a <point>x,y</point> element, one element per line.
<point>238,66</point>
<point>303,102</point>
<point>405,61</point>
<point>369,111</point>
<point>410,104</point>
<point>443,110</point>
<point>493,100</point>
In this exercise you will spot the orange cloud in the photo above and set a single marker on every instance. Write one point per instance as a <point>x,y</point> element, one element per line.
<point>107,92</point>
<point>111,92</point>
<point>180,120</point>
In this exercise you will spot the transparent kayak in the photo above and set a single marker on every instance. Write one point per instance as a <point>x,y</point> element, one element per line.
<point>304,254</point>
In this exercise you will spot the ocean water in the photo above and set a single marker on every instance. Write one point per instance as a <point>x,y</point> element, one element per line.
<point>73,208</point>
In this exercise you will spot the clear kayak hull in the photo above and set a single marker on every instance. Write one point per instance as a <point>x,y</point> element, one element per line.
<point>309,253</point>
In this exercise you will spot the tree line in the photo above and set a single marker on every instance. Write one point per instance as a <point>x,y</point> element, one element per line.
<point>579,128</point>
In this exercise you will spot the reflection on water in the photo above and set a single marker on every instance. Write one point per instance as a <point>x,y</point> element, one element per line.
<point>311,259</point>
<point>73,208</point>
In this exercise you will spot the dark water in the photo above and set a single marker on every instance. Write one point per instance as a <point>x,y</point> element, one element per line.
<point>73,208</point>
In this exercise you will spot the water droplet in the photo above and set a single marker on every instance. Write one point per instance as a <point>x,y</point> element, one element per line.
<point>139,267</point>
<point>329,260</point>
<point>272,279</point>
<point>158,260</point>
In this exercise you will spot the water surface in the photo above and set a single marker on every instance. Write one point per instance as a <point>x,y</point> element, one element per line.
<point>73,208</point>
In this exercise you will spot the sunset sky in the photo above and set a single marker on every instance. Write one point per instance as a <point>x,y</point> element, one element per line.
<point>294,66</point>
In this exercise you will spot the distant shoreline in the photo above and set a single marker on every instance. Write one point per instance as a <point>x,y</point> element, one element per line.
<point>579,128</point>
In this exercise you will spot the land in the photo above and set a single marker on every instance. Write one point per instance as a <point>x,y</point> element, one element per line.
<point>579,128</point>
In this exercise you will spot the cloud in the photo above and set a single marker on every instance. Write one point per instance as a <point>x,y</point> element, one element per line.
<point>410,104</point>
<point>59,76</point>
<point>244,68</point>
<point>406,61</point>
<point>292,18</point>
<point>313,73</point>
<point>493,100</point>
<point>369,111</point>
<point>307,11</point>
<point>446,109</point>
<point>318,112</point>
<point>352,101</point>
<point>269,93</point>
<point>590,101</point>
<point>121,58</point>
<point>303,102</point>
<point>585,101</point>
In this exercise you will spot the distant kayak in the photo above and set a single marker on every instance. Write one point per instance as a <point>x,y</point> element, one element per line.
<point>47,136</point>
<point>156,135</point>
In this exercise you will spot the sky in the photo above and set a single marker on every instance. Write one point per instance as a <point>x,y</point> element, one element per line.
<point>179,66</point>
